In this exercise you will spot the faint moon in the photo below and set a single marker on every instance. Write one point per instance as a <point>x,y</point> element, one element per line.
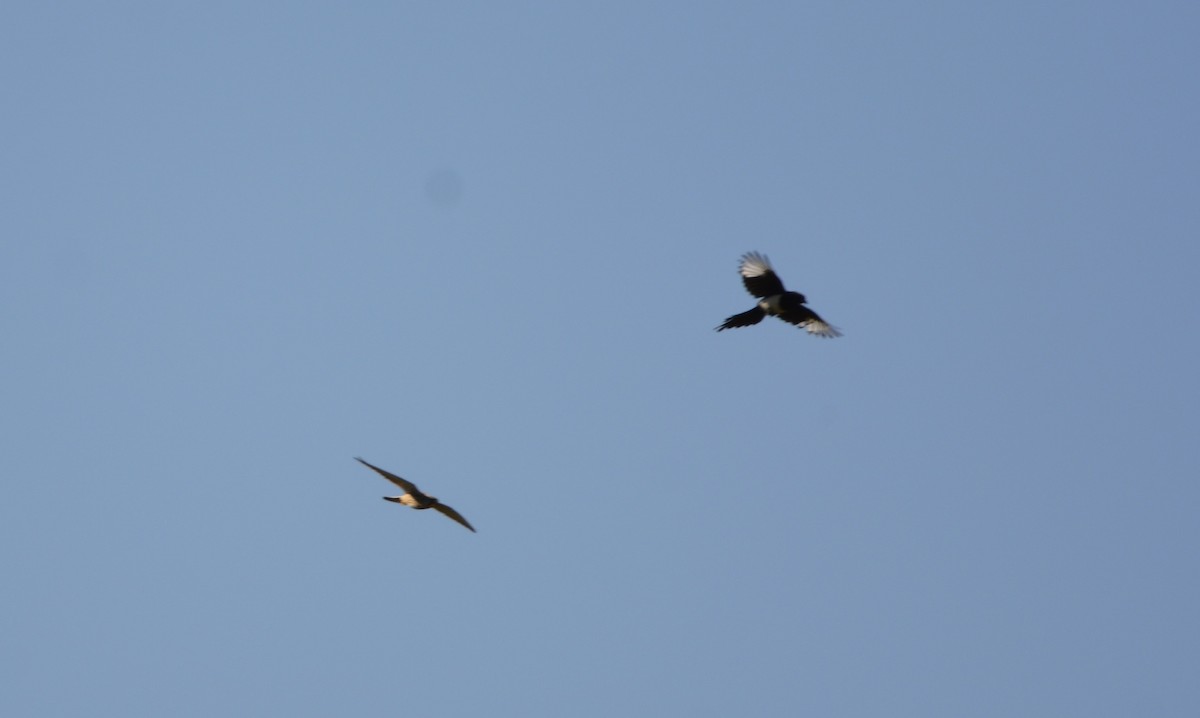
<point>443,187</point>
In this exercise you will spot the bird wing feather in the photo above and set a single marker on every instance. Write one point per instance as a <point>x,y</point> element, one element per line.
<point>810,321</point>
<point>758,276</point>
<point>454,515</point>
<point>408,486</point>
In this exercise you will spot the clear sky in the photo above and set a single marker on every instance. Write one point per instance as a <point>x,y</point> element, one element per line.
<point>485,245</point>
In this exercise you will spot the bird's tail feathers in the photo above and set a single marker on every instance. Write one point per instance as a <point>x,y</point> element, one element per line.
<point>745,319</point>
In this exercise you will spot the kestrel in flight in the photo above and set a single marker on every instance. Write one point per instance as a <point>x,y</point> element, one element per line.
<point>413,497</point>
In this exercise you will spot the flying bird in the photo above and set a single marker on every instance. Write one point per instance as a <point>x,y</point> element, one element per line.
<point>413,497</point>
<point>762,281</point>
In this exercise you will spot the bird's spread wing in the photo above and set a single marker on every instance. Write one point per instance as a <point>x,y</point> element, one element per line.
<point>807,319</point>
<point>745,319</point>
<point>758,276</point>
<point>454,515</point>
<point>408,486</point>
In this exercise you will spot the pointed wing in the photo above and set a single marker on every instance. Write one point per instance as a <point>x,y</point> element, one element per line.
<point>807,319</point>
<point>745,319</point>
<point>758,276</point>
<point>408,486</point>
<point>454,515</point>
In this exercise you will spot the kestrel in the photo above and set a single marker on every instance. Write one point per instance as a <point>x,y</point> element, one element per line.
<point>413,497</point>
<point>761,281</point>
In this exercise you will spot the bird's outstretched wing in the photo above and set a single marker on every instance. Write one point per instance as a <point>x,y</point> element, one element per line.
<point>408,486</point>
<point>454,515</point>
<point>758,276</point>
<point>745,319</point>
<point>807,319</point>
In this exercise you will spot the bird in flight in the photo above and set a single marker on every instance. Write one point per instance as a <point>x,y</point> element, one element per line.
<point>762,281</point>
<point>413,497</point>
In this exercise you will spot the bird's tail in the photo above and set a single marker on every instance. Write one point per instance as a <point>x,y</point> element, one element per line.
<point>745,319</point>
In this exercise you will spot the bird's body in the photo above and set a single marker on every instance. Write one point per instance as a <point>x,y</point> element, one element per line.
<point>762,282</point>
<point>413,496</point>
<point>420,501</point>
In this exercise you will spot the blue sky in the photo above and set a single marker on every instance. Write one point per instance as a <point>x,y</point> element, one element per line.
<point>484,245</point>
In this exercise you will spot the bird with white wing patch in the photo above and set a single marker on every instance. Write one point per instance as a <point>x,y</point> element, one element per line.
<point>762,282</point>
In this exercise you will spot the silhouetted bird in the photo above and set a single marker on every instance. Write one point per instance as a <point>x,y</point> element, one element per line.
<point>413,497</point>
<point>761,281</point>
